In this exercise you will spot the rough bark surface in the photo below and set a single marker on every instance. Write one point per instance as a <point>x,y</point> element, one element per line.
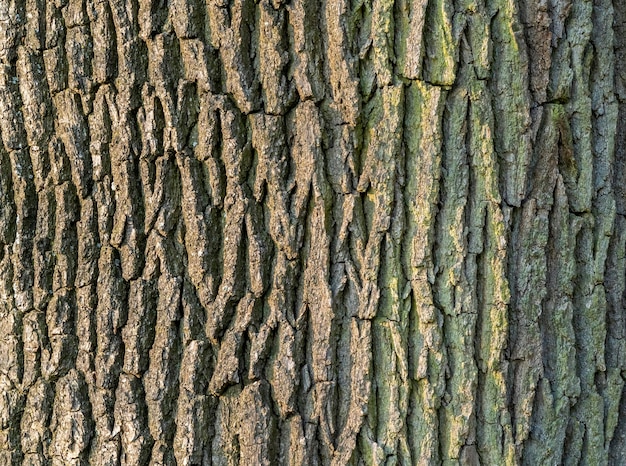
<point>312,232</point>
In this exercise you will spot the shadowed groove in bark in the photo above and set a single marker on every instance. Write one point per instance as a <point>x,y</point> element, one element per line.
<point>312,232</point>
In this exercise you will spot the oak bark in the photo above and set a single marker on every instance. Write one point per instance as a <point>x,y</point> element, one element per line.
<point>312,232</point>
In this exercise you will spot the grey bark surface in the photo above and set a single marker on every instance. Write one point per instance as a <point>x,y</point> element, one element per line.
<point>312,232</point>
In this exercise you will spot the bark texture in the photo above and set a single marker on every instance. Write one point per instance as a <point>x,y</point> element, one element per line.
<point>312,232</point>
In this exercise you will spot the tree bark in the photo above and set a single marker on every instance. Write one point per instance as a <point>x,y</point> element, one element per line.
<point>312,232</point>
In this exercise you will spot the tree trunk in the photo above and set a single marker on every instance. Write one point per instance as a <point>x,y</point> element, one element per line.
<point>312,232</point>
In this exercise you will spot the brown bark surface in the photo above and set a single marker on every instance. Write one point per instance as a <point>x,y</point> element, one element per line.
<point>312,232</point>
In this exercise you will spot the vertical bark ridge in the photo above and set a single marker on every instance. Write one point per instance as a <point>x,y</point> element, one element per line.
<point>615,288</point>
<point>312,232</point>
<point>423,141</point>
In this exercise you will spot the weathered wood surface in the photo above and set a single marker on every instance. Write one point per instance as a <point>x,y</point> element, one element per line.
<point>312,232</point>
